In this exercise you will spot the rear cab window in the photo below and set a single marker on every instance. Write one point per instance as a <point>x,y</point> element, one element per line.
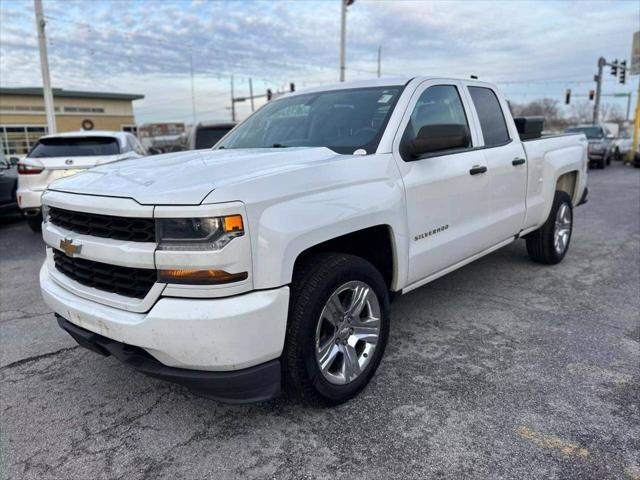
<point>491,117</point>
<point>75,147</point>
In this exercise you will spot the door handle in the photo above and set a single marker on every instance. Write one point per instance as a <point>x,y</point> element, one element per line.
<point>477,169</point>
<point>518,161</point>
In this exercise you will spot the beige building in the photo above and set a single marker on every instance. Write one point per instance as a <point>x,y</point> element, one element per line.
<point>23,120</point>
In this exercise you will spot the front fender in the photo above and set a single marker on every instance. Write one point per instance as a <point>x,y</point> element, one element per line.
<point>292,211</point>
<point>288,228</point>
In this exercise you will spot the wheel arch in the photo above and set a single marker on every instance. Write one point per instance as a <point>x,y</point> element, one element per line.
<point>375,244</point>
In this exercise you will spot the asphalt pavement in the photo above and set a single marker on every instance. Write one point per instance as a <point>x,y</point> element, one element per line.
<point>502,369</point>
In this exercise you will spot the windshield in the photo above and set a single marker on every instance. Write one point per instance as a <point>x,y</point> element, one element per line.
<point>207,137</point>
<point>342,120</point>
<point>75,147</point>
<point>591,133</point>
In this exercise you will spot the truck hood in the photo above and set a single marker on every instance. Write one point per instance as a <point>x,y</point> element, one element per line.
<point>186,178</point>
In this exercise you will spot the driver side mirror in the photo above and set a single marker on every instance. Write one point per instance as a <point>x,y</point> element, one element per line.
<point>435,138</point>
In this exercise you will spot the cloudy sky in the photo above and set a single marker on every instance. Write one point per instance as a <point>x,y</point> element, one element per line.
<point>532,49</point>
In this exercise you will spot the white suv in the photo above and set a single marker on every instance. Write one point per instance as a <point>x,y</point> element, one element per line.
<point>65,154</point>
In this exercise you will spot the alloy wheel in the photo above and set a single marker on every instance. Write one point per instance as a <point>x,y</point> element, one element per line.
<point>347,332</point>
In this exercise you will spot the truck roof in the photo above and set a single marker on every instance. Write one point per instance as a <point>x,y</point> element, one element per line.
<point>381,82</point>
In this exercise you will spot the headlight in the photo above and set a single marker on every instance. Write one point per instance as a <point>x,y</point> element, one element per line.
<point>211,233</point>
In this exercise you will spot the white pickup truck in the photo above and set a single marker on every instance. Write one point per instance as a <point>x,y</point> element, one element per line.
<point>270,260</point>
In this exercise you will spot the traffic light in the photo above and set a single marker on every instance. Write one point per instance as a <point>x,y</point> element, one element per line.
<point>592,94</point>
<point>623,72</point>
<point>292,87</point>
<point>567,96</point>
<point>269,94</point>
<point>614,68</point>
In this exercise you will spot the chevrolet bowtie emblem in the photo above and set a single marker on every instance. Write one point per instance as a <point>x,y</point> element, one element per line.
<point>69,248</point>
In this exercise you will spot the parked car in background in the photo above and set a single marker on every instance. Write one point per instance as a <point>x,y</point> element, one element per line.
<point>65,154</point>
<point>8,185</point>
<point>14,159</point>
<point>600,143</point>
<point>272,258</point>
<point>207,134</point>
<point>622,145</point>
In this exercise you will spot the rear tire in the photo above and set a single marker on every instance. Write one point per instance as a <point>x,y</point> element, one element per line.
<point>319,328</point>
<point>35,222</point>
<point>550,243</point>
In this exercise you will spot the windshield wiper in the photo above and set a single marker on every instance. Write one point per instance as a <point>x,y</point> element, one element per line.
<point>279,145</point>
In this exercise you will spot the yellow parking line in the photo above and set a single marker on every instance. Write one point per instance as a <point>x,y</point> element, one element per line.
<point>566,448</point>
<point>599,374</point>
<point>632,472</point>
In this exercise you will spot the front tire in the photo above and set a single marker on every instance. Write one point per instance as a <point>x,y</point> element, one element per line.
<point>337,329</point>
<point>35,222</point>
<point>550,243</point>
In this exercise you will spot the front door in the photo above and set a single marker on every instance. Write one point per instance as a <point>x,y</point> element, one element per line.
<point>447,192</point>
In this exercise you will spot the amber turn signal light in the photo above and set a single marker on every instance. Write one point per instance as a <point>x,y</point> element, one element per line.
<point>233,223</point>
<point>200,277</point>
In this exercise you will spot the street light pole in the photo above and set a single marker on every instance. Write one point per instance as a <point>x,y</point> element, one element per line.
<point>233,102</point>
<point>343,36</point>
<point>44,66</point>
<point>251,94</point>
<point>379,60</point>
<point>193,90</point>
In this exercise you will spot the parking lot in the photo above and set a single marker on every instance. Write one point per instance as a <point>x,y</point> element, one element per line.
<point>502,369</point>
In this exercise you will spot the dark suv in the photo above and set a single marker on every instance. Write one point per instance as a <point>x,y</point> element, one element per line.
<point>600,143</point>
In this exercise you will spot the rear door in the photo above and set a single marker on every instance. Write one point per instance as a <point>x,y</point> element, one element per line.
<point>447,192</point>
<point>506,161</point>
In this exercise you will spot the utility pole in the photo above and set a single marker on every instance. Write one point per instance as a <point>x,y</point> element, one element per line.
<point>343,36</point>
<point>44,66</point>
<point>379,60</point>
<point>251,94</point>
<point>233,102</point>
<point>598,79</point>
<point>193,90</point>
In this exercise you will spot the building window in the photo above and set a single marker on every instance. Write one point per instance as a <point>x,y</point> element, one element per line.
<point>20,139</point>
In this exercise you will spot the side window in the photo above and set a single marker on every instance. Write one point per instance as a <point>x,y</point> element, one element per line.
<point>494,127</point>
<point>440,108</point>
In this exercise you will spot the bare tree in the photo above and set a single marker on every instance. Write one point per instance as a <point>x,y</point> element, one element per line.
<point>612,112</point>
<point>545,107</point>
<point>582,112</point>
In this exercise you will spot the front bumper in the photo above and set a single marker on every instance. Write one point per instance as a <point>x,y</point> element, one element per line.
<point>253,384</point>
<point>211,335</point>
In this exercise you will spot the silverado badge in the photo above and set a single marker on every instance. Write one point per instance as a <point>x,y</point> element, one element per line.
<point>69,248</point>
